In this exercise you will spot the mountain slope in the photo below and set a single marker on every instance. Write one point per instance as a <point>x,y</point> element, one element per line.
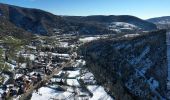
<point>161,22</point>
<point>32,20</point>
<point>41,22</point>
<point>105,20</point>
<point>7,28</point>
<point>10,29</point>
<point>130,68</point>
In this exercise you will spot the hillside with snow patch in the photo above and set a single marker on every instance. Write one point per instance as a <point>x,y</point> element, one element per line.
<point>131,67</point>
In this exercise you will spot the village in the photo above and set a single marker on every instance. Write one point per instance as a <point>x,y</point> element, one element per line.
<point>49,68</point>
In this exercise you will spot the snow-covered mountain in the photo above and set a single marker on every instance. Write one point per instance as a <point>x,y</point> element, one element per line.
<point>131,67</point>
<point>161,22</point>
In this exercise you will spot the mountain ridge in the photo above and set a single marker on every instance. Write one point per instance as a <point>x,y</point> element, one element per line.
<point>161,22</point>
<point>41,22</point>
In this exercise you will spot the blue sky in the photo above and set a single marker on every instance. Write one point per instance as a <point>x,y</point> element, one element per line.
<point>140,8</point>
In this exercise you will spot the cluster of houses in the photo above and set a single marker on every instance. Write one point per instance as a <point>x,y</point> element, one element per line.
<point>33,66</point>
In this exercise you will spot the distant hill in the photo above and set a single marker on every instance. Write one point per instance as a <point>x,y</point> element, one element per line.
<point>8,28</point>
<point>31,20</point>
<point>44,23</point>
<point>161,22</point>
<point>106,20</point>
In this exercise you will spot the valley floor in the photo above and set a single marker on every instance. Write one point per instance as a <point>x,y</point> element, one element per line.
<point>52,71</point>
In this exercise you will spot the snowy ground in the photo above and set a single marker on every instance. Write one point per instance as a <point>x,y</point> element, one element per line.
<point>88,39</point>
<point>50,92</point>
<point>73,73</point>
<point>98,93</point>
<point>46,93</point>
<point>130,35</point>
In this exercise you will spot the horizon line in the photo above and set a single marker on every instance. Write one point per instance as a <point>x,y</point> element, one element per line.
<point>83,15</point>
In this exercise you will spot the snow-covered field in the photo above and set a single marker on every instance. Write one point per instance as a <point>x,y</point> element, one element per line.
<point>98,93</point>
<point>73,73</point>
<point>88,39</point>
<point>130,35</point>
<point>46,93</point>
<point>51,92</point>
<point>120,26</point>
